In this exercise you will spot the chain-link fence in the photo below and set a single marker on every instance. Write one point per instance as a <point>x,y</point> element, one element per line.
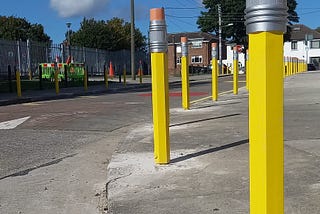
<point>26,57</point>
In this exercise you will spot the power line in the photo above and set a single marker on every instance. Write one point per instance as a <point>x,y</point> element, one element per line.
<point>182,8</point>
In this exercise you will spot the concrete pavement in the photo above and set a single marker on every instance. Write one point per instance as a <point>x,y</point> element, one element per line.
<point>209,171</point>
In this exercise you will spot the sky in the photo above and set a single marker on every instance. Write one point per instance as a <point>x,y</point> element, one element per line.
<point>180,14</point>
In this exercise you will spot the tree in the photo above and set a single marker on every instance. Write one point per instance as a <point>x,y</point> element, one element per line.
<point>318,29</point>
<point>233,12</point>
<point>111,35</point>
<point>13,28</point>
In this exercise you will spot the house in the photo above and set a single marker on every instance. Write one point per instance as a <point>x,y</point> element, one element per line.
<point>304,44</point>
<point>199,50</point>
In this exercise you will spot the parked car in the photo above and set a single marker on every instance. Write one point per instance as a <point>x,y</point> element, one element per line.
<point>311,67</point>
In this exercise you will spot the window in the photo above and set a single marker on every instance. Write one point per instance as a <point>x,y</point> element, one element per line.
<point>315,44</point>
<point>178,60</point>
<point>196,44</point>
<point>294,45</point>
<point>196,59</point>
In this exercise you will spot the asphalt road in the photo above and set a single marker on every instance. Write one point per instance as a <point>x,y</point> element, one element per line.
<point>70,140</point>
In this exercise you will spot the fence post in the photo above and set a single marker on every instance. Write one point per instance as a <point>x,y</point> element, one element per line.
<point>266,22</point>
<point>29,60</point>
<point>19,55</point>
<point>214,72</point>
<point>185,74</point>
<point>160,86</point>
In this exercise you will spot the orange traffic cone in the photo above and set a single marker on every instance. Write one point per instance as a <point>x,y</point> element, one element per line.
<point>111,71</point>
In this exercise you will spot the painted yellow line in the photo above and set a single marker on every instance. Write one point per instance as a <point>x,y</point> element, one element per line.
<point>199,100</point>
<point>30,104</point>
<point>209,97</point>
<point>242,81</point>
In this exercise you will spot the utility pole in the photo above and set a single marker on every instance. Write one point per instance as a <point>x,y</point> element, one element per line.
<point>133,74</point>
<point>220,39</point>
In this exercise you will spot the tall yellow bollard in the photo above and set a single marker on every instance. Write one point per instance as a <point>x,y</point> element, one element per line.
<point>56,81</point>
<point>247,69</point>
<point>124,75</point>
<point>106,77</point>
<point>214,72</point>
<point>266,22</point>
<point>160,85</point>
<point>235,70</point>
<point>185,74</point>
<point>18,83</point>
<point>29,74</point>
<point>85,80</point>
<point>141,74</point>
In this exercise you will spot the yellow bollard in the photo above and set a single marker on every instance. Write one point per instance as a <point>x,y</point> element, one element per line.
<point>265,27</point>
<point>214,72</point>
<point>140,76</point>
<point>247,70</point>
<point>30,74</point>
<point>85,80</point>
<point>185,74</point>
<point>235,70</point>
<point>106,77</point>
<point>124,75</point>
<point>18,83</point>
<point>56,81</point>
<point>160,85</point>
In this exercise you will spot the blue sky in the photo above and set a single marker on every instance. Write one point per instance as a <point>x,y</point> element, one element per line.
<point>53,14</point>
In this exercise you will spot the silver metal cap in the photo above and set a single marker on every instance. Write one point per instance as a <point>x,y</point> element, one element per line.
<point>158,36</point>
<point>266,15</point>
<point>184,49</point>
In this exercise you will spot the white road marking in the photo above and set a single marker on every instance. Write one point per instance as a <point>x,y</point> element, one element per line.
<point>134,103</point>
<point>11,124</point>
<point>31,104</point>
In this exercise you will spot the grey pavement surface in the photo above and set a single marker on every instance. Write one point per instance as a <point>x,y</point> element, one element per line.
<point>209,171</point>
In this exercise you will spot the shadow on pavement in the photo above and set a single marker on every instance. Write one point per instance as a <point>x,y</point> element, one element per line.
<point>202,120</point>
<point>207,151</point>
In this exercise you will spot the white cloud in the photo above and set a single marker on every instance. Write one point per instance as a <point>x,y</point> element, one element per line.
<point>74,8</point>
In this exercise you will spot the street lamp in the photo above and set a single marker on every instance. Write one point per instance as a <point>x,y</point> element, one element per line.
<point>69,42</point>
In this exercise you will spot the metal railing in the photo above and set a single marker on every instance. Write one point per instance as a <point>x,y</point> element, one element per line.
<point>26,57</point>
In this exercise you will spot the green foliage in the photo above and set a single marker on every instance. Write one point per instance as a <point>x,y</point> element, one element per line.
<point>233,12</point>
<point>111,35</point>
<point>318,29</point>
<point>13,28</point>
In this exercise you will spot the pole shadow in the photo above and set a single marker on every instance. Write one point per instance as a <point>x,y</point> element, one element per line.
<point>207,151</point>
<point>206,119</point>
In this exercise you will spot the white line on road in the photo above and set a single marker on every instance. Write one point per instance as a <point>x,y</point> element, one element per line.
<point>11,124</point>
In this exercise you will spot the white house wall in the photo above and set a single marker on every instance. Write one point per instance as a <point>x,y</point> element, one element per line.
<point>229,60</point>
<point>301,51</point>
